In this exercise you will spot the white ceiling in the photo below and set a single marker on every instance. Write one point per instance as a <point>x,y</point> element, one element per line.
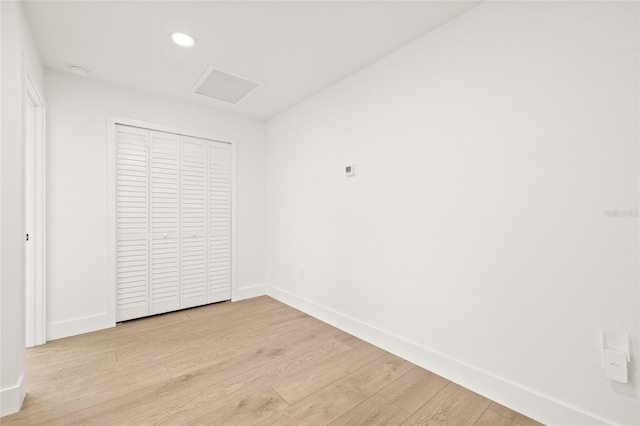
<point>296,48</point>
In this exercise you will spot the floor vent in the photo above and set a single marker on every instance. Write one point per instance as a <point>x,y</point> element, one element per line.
<point>224,85</point>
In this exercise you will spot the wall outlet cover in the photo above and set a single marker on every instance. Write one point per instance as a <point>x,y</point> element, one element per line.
<point>615,365</point>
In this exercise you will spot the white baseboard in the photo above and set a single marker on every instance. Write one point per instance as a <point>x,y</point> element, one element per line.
<point>75,326</point>
<point>11,398</point>
<point>249,292</point>
<point>526,401</point>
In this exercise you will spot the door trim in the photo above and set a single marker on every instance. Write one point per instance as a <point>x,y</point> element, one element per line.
<point>112,121</point>
<point>34,157</point>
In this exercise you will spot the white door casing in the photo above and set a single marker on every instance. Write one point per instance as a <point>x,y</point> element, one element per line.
<point>34,208</point>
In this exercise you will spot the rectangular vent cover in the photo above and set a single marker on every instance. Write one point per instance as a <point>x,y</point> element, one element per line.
<point>224,85</point>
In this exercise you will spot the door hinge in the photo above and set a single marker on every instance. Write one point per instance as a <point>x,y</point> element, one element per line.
<point>27,237</point>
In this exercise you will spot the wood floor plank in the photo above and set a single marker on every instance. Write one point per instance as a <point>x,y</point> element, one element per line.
<point>218,310</point>
<point>336,399</point>
<point>183,362</point>
<point>491,418</point>
<point>48,376</point>
<point>313,333</point>
<point>248,409</point>
<point>299,386</point>
<point>414,389</point>
<point>36,362</point>
<point>373,411</point>
<point>514,416</point>
<point>134,329</point>
<point>214,355</point>
<point>159,401</point>
<point>201,334</point>
<point>60,409</point>
<point>120,371</point>
<point>348,339</point>
<point>182,409</point>
<point>453,405</point>
<point>237,363</point>
<point>80,353</point>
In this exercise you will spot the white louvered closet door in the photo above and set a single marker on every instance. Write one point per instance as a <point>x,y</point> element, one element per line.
<point>173,222</point>
<point>219,218</point>
<point>194,211</point>
<point>132,242</point>
<point>165,222</point>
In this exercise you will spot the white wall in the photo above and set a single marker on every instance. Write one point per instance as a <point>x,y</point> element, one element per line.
<point>474,239</point>
<point>19,57</point>
<point>76,179</point>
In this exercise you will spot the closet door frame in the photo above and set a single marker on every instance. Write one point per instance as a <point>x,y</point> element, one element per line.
<point>112,121</point>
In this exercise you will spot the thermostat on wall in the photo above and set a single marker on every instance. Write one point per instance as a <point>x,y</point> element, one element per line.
<point>350,170</point>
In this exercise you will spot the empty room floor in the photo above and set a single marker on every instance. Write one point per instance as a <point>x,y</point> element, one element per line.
<point>256,361</point>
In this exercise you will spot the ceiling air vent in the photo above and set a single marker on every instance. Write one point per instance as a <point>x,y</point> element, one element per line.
<point>224,85</point>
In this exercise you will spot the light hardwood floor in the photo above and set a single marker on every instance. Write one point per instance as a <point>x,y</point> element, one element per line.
<point>257,361</point>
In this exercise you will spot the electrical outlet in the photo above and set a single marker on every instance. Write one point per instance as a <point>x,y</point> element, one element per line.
<point>350,170</point>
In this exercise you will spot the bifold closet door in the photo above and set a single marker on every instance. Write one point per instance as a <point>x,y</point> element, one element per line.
<point>219,221</point>
<point>194,213</point>
<point>164,186</point>
<point>132,226</point>
<point>173,222</point>
<point>206,221</point>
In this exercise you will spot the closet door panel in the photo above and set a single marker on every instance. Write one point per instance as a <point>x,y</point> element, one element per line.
<point>219,221</point>
<point>165,222</point>
<point>132,209</point>
<point>194,210</point>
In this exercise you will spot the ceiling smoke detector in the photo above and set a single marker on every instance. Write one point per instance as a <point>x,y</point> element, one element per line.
<point>224,85</point>
<point>78,70</point>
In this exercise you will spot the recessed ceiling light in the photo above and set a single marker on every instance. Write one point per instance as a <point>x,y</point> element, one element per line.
<point>78,70</point>
<point>183,39</point>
